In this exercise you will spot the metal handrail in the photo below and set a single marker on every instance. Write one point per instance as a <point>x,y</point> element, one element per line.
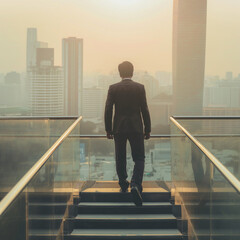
<point>222,169</point>
<point>157,135</point>
<point>38,117</point>
<point>104,136</point>
<point>206,117</point>
<point>23,182</point>
<point>79,136</point>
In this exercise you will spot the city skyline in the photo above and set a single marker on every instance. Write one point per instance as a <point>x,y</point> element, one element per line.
<point>151,22</point>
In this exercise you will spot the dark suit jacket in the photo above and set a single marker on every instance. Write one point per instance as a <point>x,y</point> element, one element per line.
<point>130,102</point>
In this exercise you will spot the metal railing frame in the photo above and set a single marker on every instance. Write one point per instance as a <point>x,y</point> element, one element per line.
<point>38,118</point>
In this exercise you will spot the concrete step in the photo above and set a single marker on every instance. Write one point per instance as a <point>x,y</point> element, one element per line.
<point>48,197</point>
<point>123,208</point>
<point>47,222</point>
<point>125,234</point>
<point>123,197</point>
<point>47,208</point>
<point>124,221</point>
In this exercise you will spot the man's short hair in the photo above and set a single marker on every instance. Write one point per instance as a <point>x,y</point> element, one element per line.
<point>125,69</point>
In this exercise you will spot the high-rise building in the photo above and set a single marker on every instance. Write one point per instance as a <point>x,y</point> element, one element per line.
<point>12,78</point>
<point>151,84</point>
<point>46,89</point>
<point>93,103</point>
<point>10,91</point>
<point>229,76</point>
<point>160,108</point>
<point>164,78</point>
<point>42,44</point>
<point>31,47</point>
<point>189,44</point>
<point>45,82</point>
<point>45,57</point>
<point>222,96</point>
<point>238,77</point>
<point>72,61</point>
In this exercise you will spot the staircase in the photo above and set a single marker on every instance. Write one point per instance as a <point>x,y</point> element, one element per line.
<point>104,213</point>
<point>217,218</point>
<point>112,215</point>
<point>46,213</point>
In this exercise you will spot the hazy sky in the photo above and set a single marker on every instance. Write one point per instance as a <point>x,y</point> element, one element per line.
<point>116,30</point>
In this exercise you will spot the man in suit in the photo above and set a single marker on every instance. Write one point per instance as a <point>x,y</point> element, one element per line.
<point>131,111</point>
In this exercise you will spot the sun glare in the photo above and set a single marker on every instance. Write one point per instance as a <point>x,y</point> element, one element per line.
<point>125,2</point>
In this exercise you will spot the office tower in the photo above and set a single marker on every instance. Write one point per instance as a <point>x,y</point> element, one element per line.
<point>42,44</point>
<point>45,57</point>
<point>160,108</point>
<point>164,78</point>
<point>12,78</point>
<point>31,47</point>
<point>93,103</point>
<point>189,43</point>
<point>222,96</point>
<point>229,76</point>
<point>45,82</point>
<point>72,61</point>
<point>46,88</point>
<point>10,91</point>
<point>238,77</point>
<point>151,84</point>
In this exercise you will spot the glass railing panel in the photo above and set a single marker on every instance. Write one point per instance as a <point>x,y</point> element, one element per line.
<point>225,208</point>
<point>97,161</point>
<point>22,143</point>
<point>52,186</point>
<point>190,179</point>
<point>13,224</point>
<point>220,136</point>
<point>210,205</point>
<point>56,184</point>
<point>211,125</point>
<point>157,159</point>
<point>48,198</point>
<point>28,126</point>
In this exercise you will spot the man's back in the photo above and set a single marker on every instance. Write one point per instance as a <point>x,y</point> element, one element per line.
<point>129,99</point>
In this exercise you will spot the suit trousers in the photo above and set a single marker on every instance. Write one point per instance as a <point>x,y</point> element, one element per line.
<point>136,141</point>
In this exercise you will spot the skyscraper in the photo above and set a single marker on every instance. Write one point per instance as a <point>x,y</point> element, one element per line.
<point>45,82</point>
<point>93,103</point>
<point>45,57</point>
<point>46,88</point>
<point>31,47</point>
<point>46,85</point>
<point>189,43</point>
<point>72,61</point>
<point>229,76</point>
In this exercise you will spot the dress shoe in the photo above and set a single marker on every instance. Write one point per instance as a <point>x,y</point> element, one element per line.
<point>137,198</point>
<point>124,186</point>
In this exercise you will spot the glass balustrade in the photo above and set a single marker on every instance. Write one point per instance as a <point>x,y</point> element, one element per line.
<point>42,205</point>
<point>221,136</point>
<point>210,204</point>
<point>98,159</point>
<point>22,142</point>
